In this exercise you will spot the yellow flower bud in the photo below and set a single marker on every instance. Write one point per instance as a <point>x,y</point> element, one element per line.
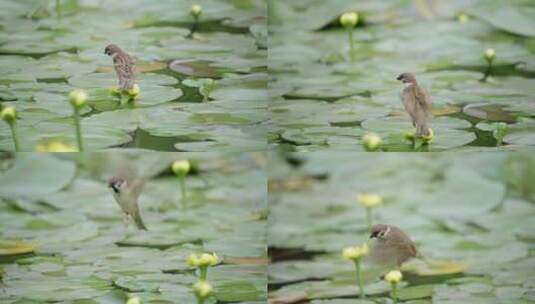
<point>134,91</point>
<point>349,20</point>
<point>490,54</point>
<point>355,253</point>
<point>9,114</point>
<point>54,146</point>
<point>463,18</point>
<point>393,277</point>
<point>369,200</point>
<point>371,141</point>
<point>202,289</point>
<point>134,300</point>
<point>208,259</point>
<point>78,98</point>
<point>193,260</point>
<point>196,10</point>
<point>181,167</point>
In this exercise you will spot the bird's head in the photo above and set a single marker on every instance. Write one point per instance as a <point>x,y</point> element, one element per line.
<point>407,78</point>
<point>111,49</point>
<point>117,184</point>
<point>379,231</point>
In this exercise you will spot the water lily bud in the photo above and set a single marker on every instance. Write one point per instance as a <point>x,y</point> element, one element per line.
<point>490,54</point>
<point>463,18</point>
<point>196,10</point>
<point>428,138</point>
<point>181,167</point>
<point>393,277</point>
<point>371,141</point>
<point>78,98</point>
<point>202,289</point>
<point>134,91</point>
<point>355,253</point>
<point>193,260</point>
<point>208,259</point>
<point>9,114</point>
<point>349,20</point>
<point>369,200</point>
<point>134,300</point>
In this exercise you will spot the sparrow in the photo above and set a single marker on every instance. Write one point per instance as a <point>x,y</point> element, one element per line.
<point>126,194</point>
<point>392,246</point>
<point>123,65</point>
<point>417,103</point>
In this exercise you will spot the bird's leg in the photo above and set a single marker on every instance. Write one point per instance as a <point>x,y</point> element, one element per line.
<point>125,220</point>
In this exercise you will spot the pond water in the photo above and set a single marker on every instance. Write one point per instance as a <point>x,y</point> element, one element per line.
<point>470,215</point>
<point>326,97</point>
<point>77,250</point>
<point>198,93</point>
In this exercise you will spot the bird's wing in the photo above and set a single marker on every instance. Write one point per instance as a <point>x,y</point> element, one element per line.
<point>422,98</point>
<point>124,65</point>
<point>136,187</point>
<point>404,245</point>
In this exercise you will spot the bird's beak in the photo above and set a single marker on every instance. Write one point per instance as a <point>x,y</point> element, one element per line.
<point>373,235</point>
<point>399,77</point>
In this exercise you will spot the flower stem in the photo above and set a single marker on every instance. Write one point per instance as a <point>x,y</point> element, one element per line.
<point>182,181</point>
<point>200,300</point>
<point>76,117</point>
<point>369,218</point>
<point>359,278</point>
<point>351,45</point>
<point>488,71</point>
<point>394,293</point>
<point>204,273</point>
<point>16,143</point>
<point>58,9</point>
<point>194,26</point>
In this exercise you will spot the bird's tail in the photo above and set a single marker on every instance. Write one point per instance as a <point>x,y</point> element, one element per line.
<point>139,221</point>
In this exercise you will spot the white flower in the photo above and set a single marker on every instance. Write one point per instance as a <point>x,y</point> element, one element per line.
<point>181,167</point>
<point>202,289</point>
<point>371,141</point>
<point>393,277</point>
<point>9,114</point>
<point>134,300</point>
<point>196,10</point>
<point>355,253</point>
<point>490,54</point>
<point>349,20</point>
<point>78,98</point>
<point>369,200</point>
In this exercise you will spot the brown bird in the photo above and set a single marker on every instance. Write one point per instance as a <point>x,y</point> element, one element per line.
<point>417,103</point>
<point>124,66</point>
<point>127,194</point>
<point>392,245</point>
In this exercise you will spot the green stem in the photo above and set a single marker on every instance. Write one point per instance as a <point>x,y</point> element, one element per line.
<point>13,127</point>
<point>204,273</point>
<point>58,9</point>
<point>182,182</point>
<point>200,300</point>
<point>369,218</point>
<point>351,45</point>
<point>359,278</point>
<point>195,26</point>
<point>394,293</point>
<point>78,128</point>
<point>488,71</point>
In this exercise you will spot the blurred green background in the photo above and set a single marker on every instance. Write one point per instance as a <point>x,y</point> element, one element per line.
<point>75,248</point>
<point>470,214</point>
<point>325,97</point>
